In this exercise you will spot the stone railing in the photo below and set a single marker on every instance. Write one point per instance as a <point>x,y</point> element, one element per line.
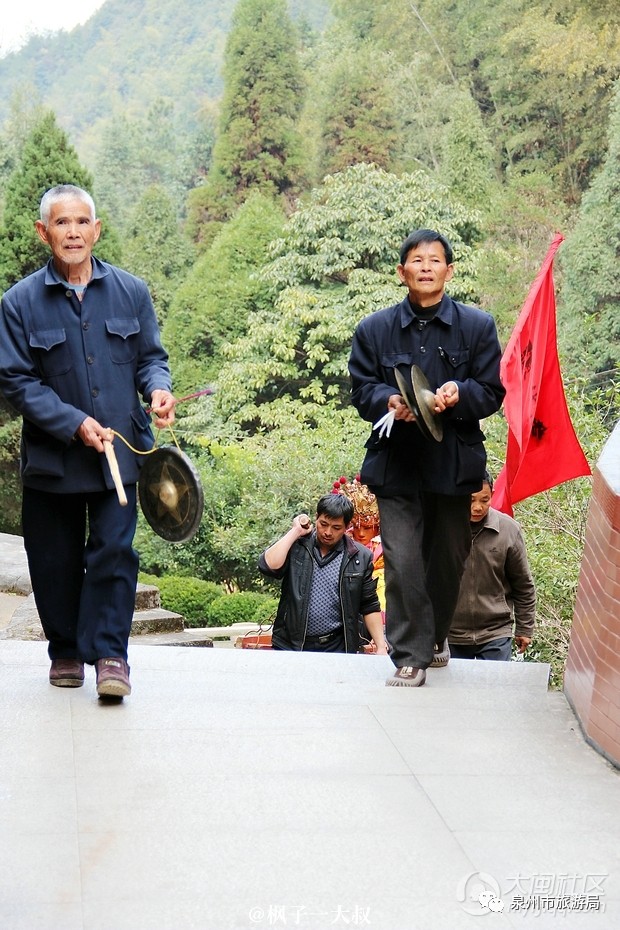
<point>592,677</point>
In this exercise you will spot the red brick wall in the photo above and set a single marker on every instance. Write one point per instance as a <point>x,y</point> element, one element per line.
<point>592,677</point>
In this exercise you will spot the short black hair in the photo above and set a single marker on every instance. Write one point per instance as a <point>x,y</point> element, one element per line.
<point>336,506</point>
<point>487,480</point>
<point>425,235</point>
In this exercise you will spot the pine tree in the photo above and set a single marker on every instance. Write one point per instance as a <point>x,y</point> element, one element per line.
<point>259,145</point>
<point>211,308</point>
<point>155,250</point>
<point>358,113</point>
<point>47,159</point>
<point>467,153</point>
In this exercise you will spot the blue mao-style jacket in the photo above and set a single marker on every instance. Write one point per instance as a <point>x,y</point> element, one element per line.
<point>459,344</point>
<point>62,360</point>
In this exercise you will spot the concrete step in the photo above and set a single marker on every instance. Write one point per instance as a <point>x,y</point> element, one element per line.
<point>156,620</point>
<point>147,597</point>
<point>199,636</point>
<point>25,623</point>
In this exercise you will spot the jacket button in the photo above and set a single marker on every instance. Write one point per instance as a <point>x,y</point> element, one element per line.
<point>69,293</point>
<point>85,325</point>
<point>95,392</point>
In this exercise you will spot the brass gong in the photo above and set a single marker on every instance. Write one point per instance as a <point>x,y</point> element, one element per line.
<point>171,495</point>
<point>421,402</point>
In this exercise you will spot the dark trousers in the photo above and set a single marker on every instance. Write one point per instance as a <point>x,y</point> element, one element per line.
<point>84,585</point>
<point>497,650</point>
<point>426,540</point>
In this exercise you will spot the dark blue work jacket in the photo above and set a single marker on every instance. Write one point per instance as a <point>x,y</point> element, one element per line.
<point>62,360</point>
<point>459,344</point>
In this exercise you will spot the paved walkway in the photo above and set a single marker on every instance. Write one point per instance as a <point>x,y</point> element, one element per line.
<point>242,789</point>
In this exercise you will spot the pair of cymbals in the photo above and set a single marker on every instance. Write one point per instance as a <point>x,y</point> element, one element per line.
<point>421,402</point>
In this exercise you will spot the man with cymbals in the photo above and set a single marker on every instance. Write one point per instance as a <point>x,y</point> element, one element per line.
<point>423,477</point>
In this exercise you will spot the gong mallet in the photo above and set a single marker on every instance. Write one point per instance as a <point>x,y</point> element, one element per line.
<point>115,472</point>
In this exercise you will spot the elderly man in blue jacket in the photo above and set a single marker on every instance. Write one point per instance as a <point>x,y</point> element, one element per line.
<point>79,343</point>
<point>424,487</point>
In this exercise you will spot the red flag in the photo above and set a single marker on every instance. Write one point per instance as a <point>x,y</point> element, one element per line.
<point>542,449</point>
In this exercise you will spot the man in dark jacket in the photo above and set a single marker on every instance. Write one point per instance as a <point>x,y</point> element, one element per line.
<point>78,343</point>
<point>327,583</point>
<point>424,487</point>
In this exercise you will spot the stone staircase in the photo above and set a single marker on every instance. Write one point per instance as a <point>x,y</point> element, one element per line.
<point>149,618</point>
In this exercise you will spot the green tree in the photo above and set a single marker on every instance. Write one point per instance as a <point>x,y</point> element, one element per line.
<point>141,151</point>
<point>334,264</point>
<point>23,116</point>
<point>155,249</point>
<point>47,159</point>
<point>259,145</point>
<point>590,334</point>
<point>211,307</point>
<point>467,156</point>
<point>358,121</point>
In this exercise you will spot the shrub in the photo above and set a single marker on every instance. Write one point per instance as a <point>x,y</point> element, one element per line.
<point>190,597</point>
<point>244,607</point>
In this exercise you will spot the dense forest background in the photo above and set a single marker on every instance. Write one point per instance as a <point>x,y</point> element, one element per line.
<point>259,163</point>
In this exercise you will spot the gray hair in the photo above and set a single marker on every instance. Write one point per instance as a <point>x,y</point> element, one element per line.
<point>64,192</point>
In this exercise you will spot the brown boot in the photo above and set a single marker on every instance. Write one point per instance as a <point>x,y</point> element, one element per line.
<point>67,673</point>
<point>112,678</point>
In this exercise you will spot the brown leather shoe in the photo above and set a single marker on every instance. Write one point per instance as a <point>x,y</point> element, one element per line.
<point>408,676</point>
<point>67,673</point>
<point>112,677</point>
<point>441,655</point>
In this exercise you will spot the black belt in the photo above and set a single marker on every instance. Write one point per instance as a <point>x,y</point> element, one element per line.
<point>326,638</point>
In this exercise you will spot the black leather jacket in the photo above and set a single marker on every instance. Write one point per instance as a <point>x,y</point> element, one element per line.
<point>358,592</point>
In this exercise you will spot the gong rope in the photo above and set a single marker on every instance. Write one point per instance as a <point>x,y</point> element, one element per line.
<point>154,446</point>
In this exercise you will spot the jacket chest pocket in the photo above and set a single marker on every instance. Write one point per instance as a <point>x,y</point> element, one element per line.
<point>123,335</point>
<point>453,359</point>
<point>51,351</point>
<point>352,578</point>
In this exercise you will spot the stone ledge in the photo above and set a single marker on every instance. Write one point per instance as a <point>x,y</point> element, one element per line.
<point>25,623</point>
<point>156,620</point>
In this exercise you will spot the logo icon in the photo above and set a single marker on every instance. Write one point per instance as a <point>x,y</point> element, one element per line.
<point>479,893</point>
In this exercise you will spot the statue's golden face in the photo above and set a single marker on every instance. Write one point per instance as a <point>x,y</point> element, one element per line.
<point>365,527</point>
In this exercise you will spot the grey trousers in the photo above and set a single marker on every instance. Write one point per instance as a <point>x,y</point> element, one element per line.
<point>426,540</point>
